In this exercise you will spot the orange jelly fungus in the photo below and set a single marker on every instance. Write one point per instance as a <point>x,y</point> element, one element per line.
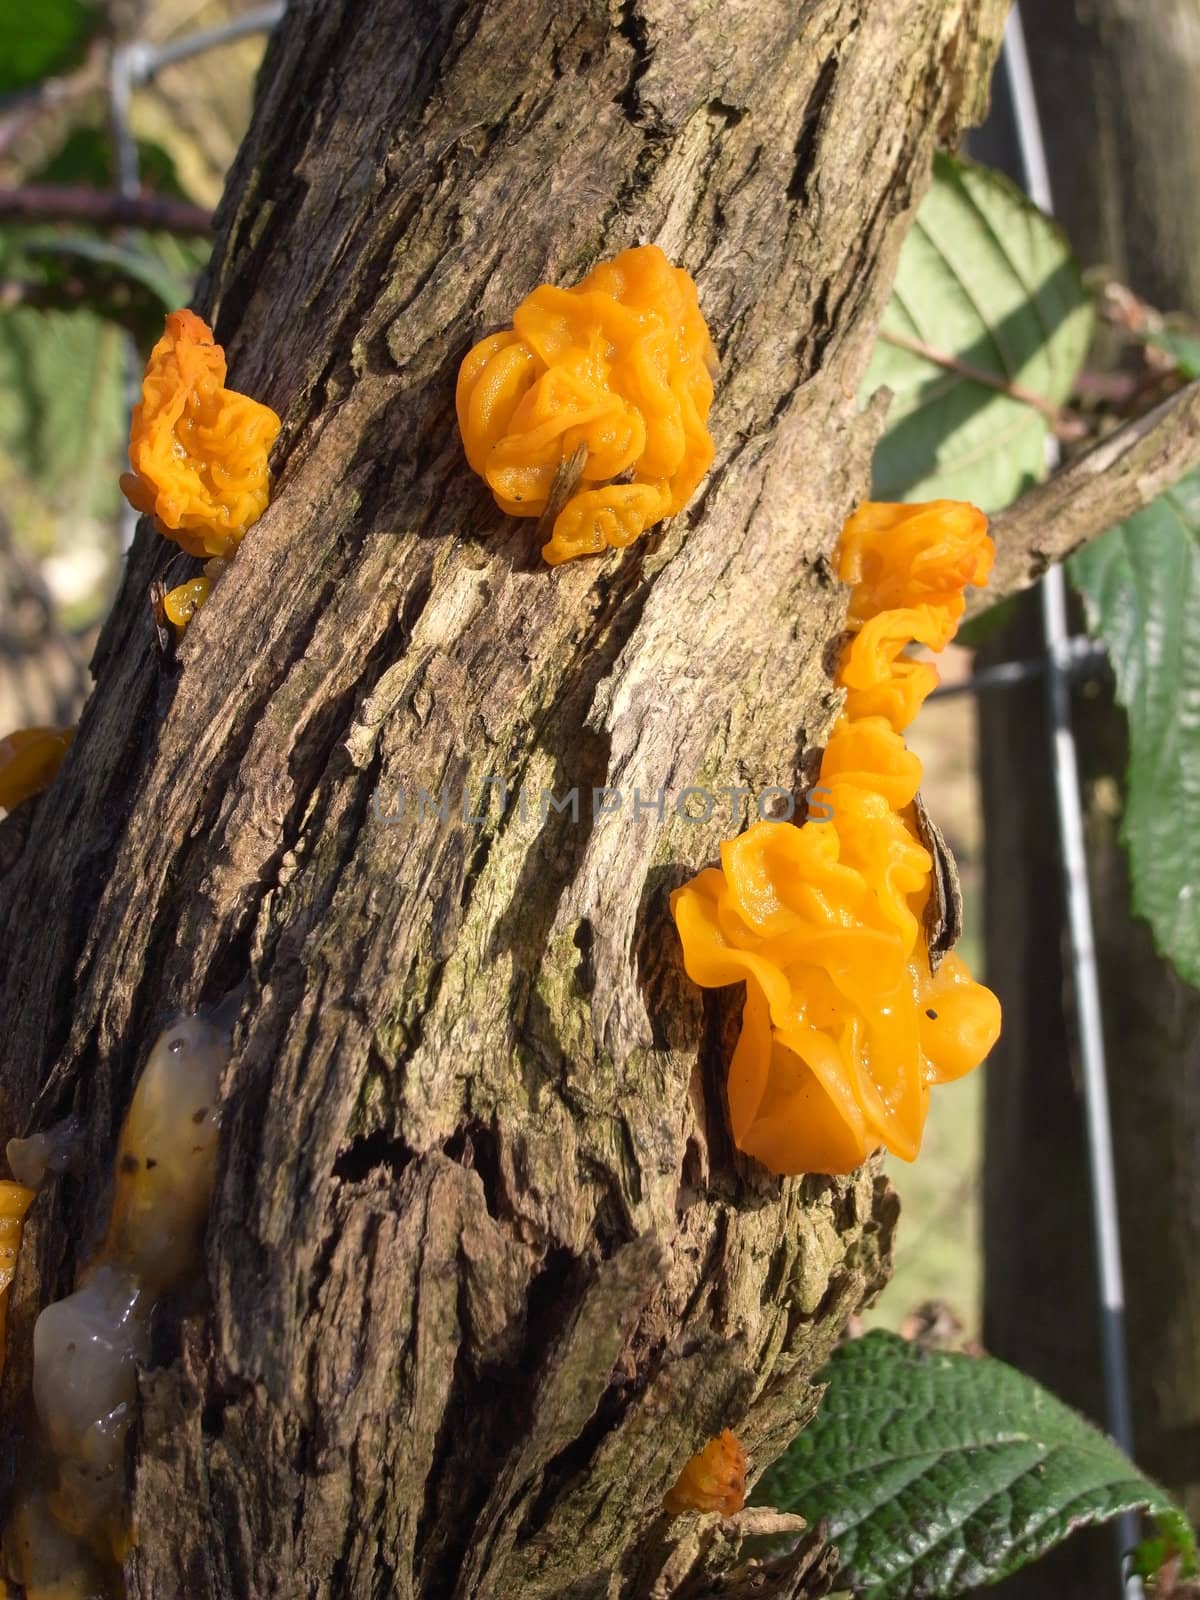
<point>182,602</point>
<point>615,374</point>
<point>198,450</point>
<point>713,1480</point>
<point>15,1200</point>
<point>845,1026</point>
<point>29,760</point>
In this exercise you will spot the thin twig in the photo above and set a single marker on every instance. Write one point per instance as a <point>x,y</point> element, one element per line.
<point>104,208</point>
<point>1055,415</point>
<point>1119,476</point>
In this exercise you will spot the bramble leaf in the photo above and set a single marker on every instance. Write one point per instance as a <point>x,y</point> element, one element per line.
<point>1141,585</point>
<point>989,282</point>
<point>938,1472</point>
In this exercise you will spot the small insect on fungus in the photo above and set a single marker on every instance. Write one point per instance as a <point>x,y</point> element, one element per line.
<point>591,411</point>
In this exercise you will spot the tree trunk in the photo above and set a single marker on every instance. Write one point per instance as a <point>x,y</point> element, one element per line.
<point>1123,149</point>
<point>484,1267</point>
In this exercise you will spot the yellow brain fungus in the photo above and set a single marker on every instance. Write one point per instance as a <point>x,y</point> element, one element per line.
<point>847,1022</point>
<point>593,407</point>
<point>198,450</point>
<point>86,1352</point>
<point>713,1480</point>
<point>29,760</point>
<point>70,1532</point>
<point>199,454</point>
<point>48,1562</point>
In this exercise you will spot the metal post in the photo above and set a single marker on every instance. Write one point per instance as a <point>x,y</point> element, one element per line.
<point>1105,1216</point>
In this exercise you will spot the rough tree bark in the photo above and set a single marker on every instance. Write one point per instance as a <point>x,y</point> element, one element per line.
<point>484,1268</point>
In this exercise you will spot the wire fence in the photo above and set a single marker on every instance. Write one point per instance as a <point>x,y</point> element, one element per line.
<point>1085,985</point>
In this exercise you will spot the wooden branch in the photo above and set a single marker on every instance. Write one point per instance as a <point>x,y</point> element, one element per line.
<point>1120,475</point>
<point>103,208</point>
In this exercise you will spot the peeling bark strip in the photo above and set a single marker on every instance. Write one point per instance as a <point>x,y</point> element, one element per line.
<point>485,1269</point>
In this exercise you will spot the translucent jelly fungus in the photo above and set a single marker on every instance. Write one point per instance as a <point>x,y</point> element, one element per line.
<point>86,1351</point>
<point>847,1022</point>
<point>15,1200</point>
<point>166,1157</point>
<point>71,1529</point>
<point>713,1480</point>
<point>41,1153</point>
<point>48,1562</point>
<point>198,450</point>
<point>29,760</point>
<point>182,602</point>
<point>592,409</point>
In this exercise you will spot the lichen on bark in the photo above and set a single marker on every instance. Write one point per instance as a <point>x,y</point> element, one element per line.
<point>484,1266</point>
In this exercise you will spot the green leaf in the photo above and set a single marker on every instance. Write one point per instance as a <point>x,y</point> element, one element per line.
<point>976,631</point>
<point>103,260</point>
<point>131,283</point>
<point>939,1472</point>
<point>986,279</point>
<point>1162,1561</point>
<point>40,38</point>
<point>62,411</point>
<point>1141,587</point>
<point>178,257</point>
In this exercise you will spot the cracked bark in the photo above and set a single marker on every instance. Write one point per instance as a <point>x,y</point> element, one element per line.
<point>484,1268</point>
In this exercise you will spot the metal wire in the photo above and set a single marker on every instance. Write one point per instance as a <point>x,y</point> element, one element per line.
<point>145,60</point>
<point>1079,655</point>
<point>1086,980</point>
